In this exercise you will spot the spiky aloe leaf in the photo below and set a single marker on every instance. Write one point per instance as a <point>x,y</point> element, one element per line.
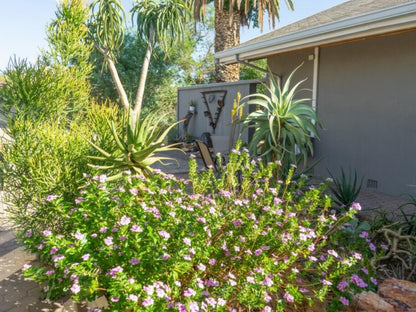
<point>137,147</point>
<point>281,123</point>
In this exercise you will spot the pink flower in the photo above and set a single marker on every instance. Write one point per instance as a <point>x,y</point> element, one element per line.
<point>221,302</point>
<point>267,282</point>
<point>102,178</point>
<point>79,199</point>
<point>267,298</point>
<point>212,261</point>
<point>49,272</point>
<point>26,266</point>
<point>133,298</point>
<point>189,292</point>
<point>134,261</point>
<point>51,197</point>
<point>147,302</point>
<point>124,220</point>
<point>187,241</point>
<point>325,282</point>
<point>344,301</point>
<point>357,255</point>
<point>333,253</point>
<point>149,290</point>
<point>251,280</point>
<point>356,206</point>
<point>79,236</point>
<point>75,288</point>
<point>288,297</point>
<point>164,234</point>
<point>58,257</point>
<point>267,309</point>
<point>211,301</point>
<point>137,229</point>
<point>47,233</point>
<point>358,281</point>
<point>341,286</point>
<point>108,240</point>
<point>201,267</point>
<point>193,306</point>
<point>53,250</point>
<point>114,299</point>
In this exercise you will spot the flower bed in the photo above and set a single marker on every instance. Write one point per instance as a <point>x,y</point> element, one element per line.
<point>152,244</point>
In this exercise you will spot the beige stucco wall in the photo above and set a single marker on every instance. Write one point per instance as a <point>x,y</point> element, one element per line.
<point>367,105</point>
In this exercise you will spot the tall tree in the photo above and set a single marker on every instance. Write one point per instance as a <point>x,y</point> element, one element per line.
<point>159,22</point>
<point>229,15</point>
<point>161,77</point>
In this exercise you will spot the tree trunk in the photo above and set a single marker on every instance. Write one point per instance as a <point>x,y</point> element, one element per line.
<point>114,74</point>
<point>226,36</point>
<point>135,114</point>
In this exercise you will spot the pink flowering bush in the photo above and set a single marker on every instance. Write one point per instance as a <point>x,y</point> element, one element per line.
<point>211,244</point>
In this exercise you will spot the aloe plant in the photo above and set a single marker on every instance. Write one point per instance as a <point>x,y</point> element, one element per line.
<point>346,189</point>
<point>137,147</point>
<point>284,125</point>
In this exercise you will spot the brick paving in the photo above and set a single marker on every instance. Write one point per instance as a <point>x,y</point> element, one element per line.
<point>373,203</point>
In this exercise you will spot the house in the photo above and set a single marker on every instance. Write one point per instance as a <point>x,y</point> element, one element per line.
<point>359,59</point>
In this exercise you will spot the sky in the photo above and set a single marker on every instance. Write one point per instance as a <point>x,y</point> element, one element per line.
<point>23,24</point>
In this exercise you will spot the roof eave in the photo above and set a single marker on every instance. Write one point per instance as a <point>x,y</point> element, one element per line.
<point>387,20</point>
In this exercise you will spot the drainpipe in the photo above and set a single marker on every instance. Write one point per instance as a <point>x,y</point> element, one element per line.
<point>315,78</point>
<point>315,82</point>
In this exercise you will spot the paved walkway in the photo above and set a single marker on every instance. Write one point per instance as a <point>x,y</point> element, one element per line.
<point>18,294</point>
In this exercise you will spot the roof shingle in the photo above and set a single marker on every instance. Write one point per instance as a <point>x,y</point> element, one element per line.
<point>339,12</point>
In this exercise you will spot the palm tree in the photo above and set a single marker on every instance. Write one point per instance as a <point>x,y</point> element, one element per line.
<point>158,22</point>
<point>229,15</point>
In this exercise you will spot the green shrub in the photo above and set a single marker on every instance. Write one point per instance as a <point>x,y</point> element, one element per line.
<point>42,158</point>
<point>41,91</point>
<point>46,157</point>
<point>147,244</point>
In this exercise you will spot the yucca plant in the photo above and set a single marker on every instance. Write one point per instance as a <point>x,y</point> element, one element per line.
<point>346,189</point>
<point>136,147</point>
<point>284,125</point>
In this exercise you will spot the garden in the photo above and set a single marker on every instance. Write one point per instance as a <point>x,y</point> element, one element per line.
<point>258,234</point>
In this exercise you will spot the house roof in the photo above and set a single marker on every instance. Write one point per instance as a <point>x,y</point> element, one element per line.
<point>350,20</point>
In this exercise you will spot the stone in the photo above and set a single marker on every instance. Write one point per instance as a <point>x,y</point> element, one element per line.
<point>371,302</point>
<point>100,302</point>
<point>400,293</point>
